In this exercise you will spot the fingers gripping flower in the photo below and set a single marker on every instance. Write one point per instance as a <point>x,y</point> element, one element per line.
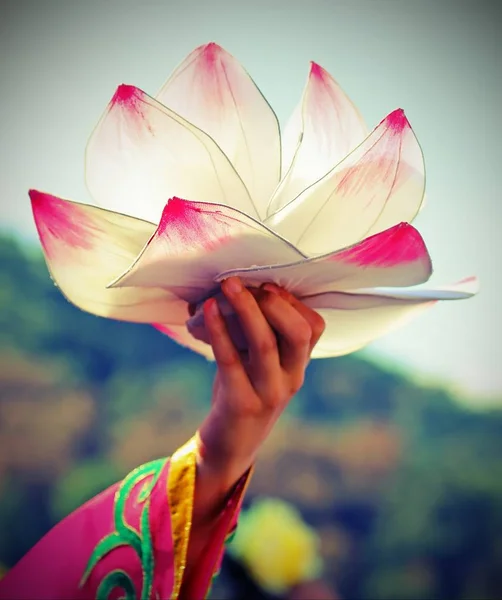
<point>198,184</point>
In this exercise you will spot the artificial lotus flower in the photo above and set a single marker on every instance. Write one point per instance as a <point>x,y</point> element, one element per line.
<point>198,184</point>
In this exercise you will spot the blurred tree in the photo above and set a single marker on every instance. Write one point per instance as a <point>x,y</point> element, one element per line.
<point>403,483</point>
<point>80,484</point>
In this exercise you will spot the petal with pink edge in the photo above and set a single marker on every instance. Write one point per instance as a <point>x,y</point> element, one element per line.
<point>396,257</point>
<point>211,90</point>
<point>142,153</point>
<point>381,183</point>
<point>354,320</point>
<point>328,125</point>
<point>376,311</point>
<point>180,335</point>
<point>196,241</point>
<point>85,247</point>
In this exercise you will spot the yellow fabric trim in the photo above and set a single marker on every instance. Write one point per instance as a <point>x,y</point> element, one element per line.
<point>180,491</point>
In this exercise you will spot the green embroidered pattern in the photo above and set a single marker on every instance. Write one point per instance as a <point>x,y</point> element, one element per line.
<point>230,537</point>
<point>125,535</point>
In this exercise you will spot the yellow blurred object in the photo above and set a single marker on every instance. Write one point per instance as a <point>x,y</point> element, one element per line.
<point>279,549</point>
<point>3,571</point>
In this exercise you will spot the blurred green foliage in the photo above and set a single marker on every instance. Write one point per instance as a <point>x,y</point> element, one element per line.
<point>403,483</point>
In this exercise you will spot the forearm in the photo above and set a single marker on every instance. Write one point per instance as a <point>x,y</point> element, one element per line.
<point>209,531</point>
<point>220,476</point>
<point>231,442</point>
<point>250,392</point>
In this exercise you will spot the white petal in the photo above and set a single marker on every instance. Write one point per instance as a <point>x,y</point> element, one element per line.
<point>351,330</point>
<point>377,186</point>
<point>196,241</point>
<point>180,334</point>
<point>291,139</point>
<point>211,90</point>
<point>466,288</point>
<point>354,320</point>
<point>85,247</point>
<point>396,257</point>
<point>141,154</point>
<point>329,127</point>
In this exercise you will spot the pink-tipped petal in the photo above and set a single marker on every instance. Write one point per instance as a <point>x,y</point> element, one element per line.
<point>196,241</point>
<point>85,247</point>
<point>395,257</point>
<point>142,153</point>
<point>357,318</point>
<point>378,185</point>
<point>211,90</point>
<point>181,336</point>
<point>329,127</point>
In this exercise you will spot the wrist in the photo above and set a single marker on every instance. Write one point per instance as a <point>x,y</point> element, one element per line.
<point>224,450</point>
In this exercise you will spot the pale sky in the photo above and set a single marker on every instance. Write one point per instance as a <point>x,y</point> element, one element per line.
<point>440,60</point>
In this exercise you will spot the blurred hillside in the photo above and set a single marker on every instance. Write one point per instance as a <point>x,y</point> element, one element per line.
<point>403,483</point>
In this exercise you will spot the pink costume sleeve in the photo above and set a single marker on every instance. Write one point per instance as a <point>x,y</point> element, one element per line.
<point>128,542</point>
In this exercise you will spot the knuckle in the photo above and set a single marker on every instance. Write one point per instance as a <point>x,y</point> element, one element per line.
<point>228,359</point>
<point>318,323</point>
<point>301,334</point>
<point>274,398</point>
<point>267,345</point>
<point>296,382</point>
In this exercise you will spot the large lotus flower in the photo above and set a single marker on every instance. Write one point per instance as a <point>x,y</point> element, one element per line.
<point>323,210</point>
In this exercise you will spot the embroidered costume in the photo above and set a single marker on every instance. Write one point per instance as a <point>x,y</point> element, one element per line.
<point>128,542</point>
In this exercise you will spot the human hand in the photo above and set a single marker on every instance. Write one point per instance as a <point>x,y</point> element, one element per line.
<point>253,388</point>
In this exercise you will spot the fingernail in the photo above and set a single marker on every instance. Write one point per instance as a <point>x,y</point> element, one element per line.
<point>233,285</point>
<point>212,307</point>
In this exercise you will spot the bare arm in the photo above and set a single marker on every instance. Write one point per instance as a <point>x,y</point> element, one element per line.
<point>250,393</point>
